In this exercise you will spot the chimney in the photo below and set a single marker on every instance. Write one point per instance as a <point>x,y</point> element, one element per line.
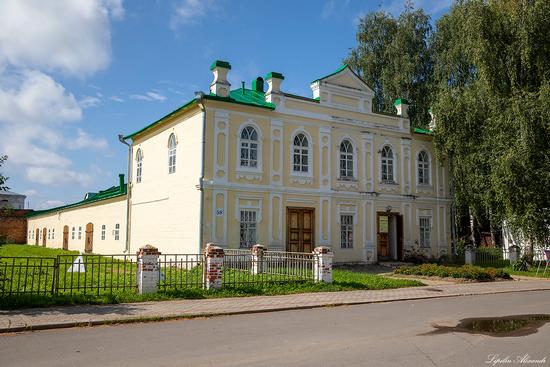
<point>402,106</point>
<point>121,182</point>
<point>274,81</point>
<point>220,86</point>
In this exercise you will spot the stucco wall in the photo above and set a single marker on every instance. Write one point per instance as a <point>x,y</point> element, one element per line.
<point>107,212</point>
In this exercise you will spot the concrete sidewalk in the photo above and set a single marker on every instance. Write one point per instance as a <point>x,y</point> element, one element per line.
<point>71,316</point>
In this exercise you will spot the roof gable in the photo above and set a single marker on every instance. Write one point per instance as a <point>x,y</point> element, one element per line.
<point>345,77</point>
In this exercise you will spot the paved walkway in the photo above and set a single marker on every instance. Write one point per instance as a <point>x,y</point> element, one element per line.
<point>71,316</point>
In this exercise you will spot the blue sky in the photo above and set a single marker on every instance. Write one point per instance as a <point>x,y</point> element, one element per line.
<point>92,69</point>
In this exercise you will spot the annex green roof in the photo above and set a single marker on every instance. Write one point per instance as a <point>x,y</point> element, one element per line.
<point>92,197</point>
<point>400,101</point>
<point>274,74</point>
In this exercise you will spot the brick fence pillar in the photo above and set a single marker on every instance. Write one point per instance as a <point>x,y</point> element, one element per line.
<point>148,269</point>
<point>257,259</point>
<point>213,262</point>
<point>322,267</point>
<point>470,255</point>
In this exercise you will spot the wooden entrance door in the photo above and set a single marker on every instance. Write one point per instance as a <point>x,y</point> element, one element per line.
<point>66,238</point>
<point>37,237</point>
<point>300,224</point>
<point>89,244</point>
<point>383,234</point>
<point>44,237</point>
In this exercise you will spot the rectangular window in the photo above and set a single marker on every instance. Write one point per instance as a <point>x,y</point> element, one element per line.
<point>247,228</point>
<point>117,232</point>
<point>425,230</point>
<point>79,232</point>
<point>138,171</point>
<point>346,231</point>
<point>72,234</point>
<point>53,234</point>
<point>172,160</point>
<point>48,234</point>
<point>103,230</point>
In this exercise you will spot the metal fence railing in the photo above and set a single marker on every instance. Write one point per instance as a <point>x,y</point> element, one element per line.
<point>272,267</point>
<point>107,274</point>
<point>181,271</point>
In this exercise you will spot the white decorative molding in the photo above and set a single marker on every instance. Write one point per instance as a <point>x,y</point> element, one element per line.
<point>388,187</point>
<point>238,167</point>
<point>246,202</point>
<point>406,166</point>
<point>221,129</point>
<point>277,131</point>
<point>302,180</point>
<point>325,143</point>
<point>275,238</point>
<point>325,241</point>
<point>223,240</point>
<point>249,176</point>
<point>347,185</point>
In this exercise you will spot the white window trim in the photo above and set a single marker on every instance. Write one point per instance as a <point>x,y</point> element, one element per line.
<point>139,165</point>
<point>430,222</point>
<point>424,185</point>
<point>175,153</point>
<point>259,167</point>
<point>355,152</point>
<point>394,165</point>
<point>257,208</point>
<point>256,222</point>
<point>310,150</point>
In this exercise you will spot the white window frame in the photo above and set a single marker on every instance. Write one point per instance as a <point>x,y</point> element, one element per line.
<point>386,161</point>
<point>426,167</point>
<point>308,150</point>
<point>425,230</point>
<point>53,233</point>
<point>103,231</point>
<point>139,165</point>
<point>116,232</point>
<point>80,232</point>
<point>248,223</point>
<point>349,157</point>
<point>259,148</point>
<point>347,221</point>
<point>73,232</point>
<point>172,153</point>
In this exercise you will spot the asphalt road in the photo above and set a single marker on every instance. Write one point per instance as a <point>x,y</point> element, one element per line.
<point>385,334</point>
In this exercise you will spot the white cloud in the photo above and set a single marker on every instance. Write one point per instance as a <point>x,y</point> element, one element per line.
<point>36,112</point>
<point>89,101</point>
<point>149,96</point>
<point>333,7</point>
<point>56,176</point>
<point>116,99</point>
<point>63,35</point>
<point>189,12</point>
<point>83,140</point>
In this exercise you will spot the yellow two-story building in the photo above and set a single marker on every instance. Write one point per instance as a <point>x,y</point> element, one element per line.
<point>259,165</point>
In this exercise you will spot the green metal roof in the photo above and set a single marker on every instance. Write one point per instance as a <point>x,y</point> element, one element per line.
<point>111,192</point>
<point>419,130</point>
<point>400,101</point>
<point>245,96</point>
<point>333,73</point>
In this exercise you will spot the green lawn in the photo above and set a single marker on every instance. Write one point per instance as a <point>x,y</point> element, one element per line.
<point>112,271</point>
<point>532,272</point>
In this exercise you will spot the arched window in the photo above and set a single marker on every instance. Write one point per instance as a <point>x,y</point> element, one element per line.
<point>249,147</point>
<point>139,165</point>
<point>301,154</point>
<point>346,160</point>
<point>172,153</point>
<point>423,168</point>
<point>387,164</point>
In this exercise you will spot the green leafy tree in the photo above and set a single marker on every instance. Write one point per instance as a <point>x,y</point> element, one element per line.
<point>3,179</point>
<point>492,77</point>
<point>393,56</point>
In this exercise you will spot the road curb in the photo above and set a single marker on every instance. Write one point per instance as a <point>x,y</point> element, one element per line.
<point>143,319</point>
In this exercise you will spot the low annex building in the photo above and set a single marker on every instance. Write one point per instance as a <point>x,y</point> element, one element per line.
<point>259,165</point>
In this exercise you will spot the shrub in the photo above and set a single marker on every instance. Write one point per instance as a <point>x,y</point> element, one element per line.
<point>520,265</point>
<point>465,272</point>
